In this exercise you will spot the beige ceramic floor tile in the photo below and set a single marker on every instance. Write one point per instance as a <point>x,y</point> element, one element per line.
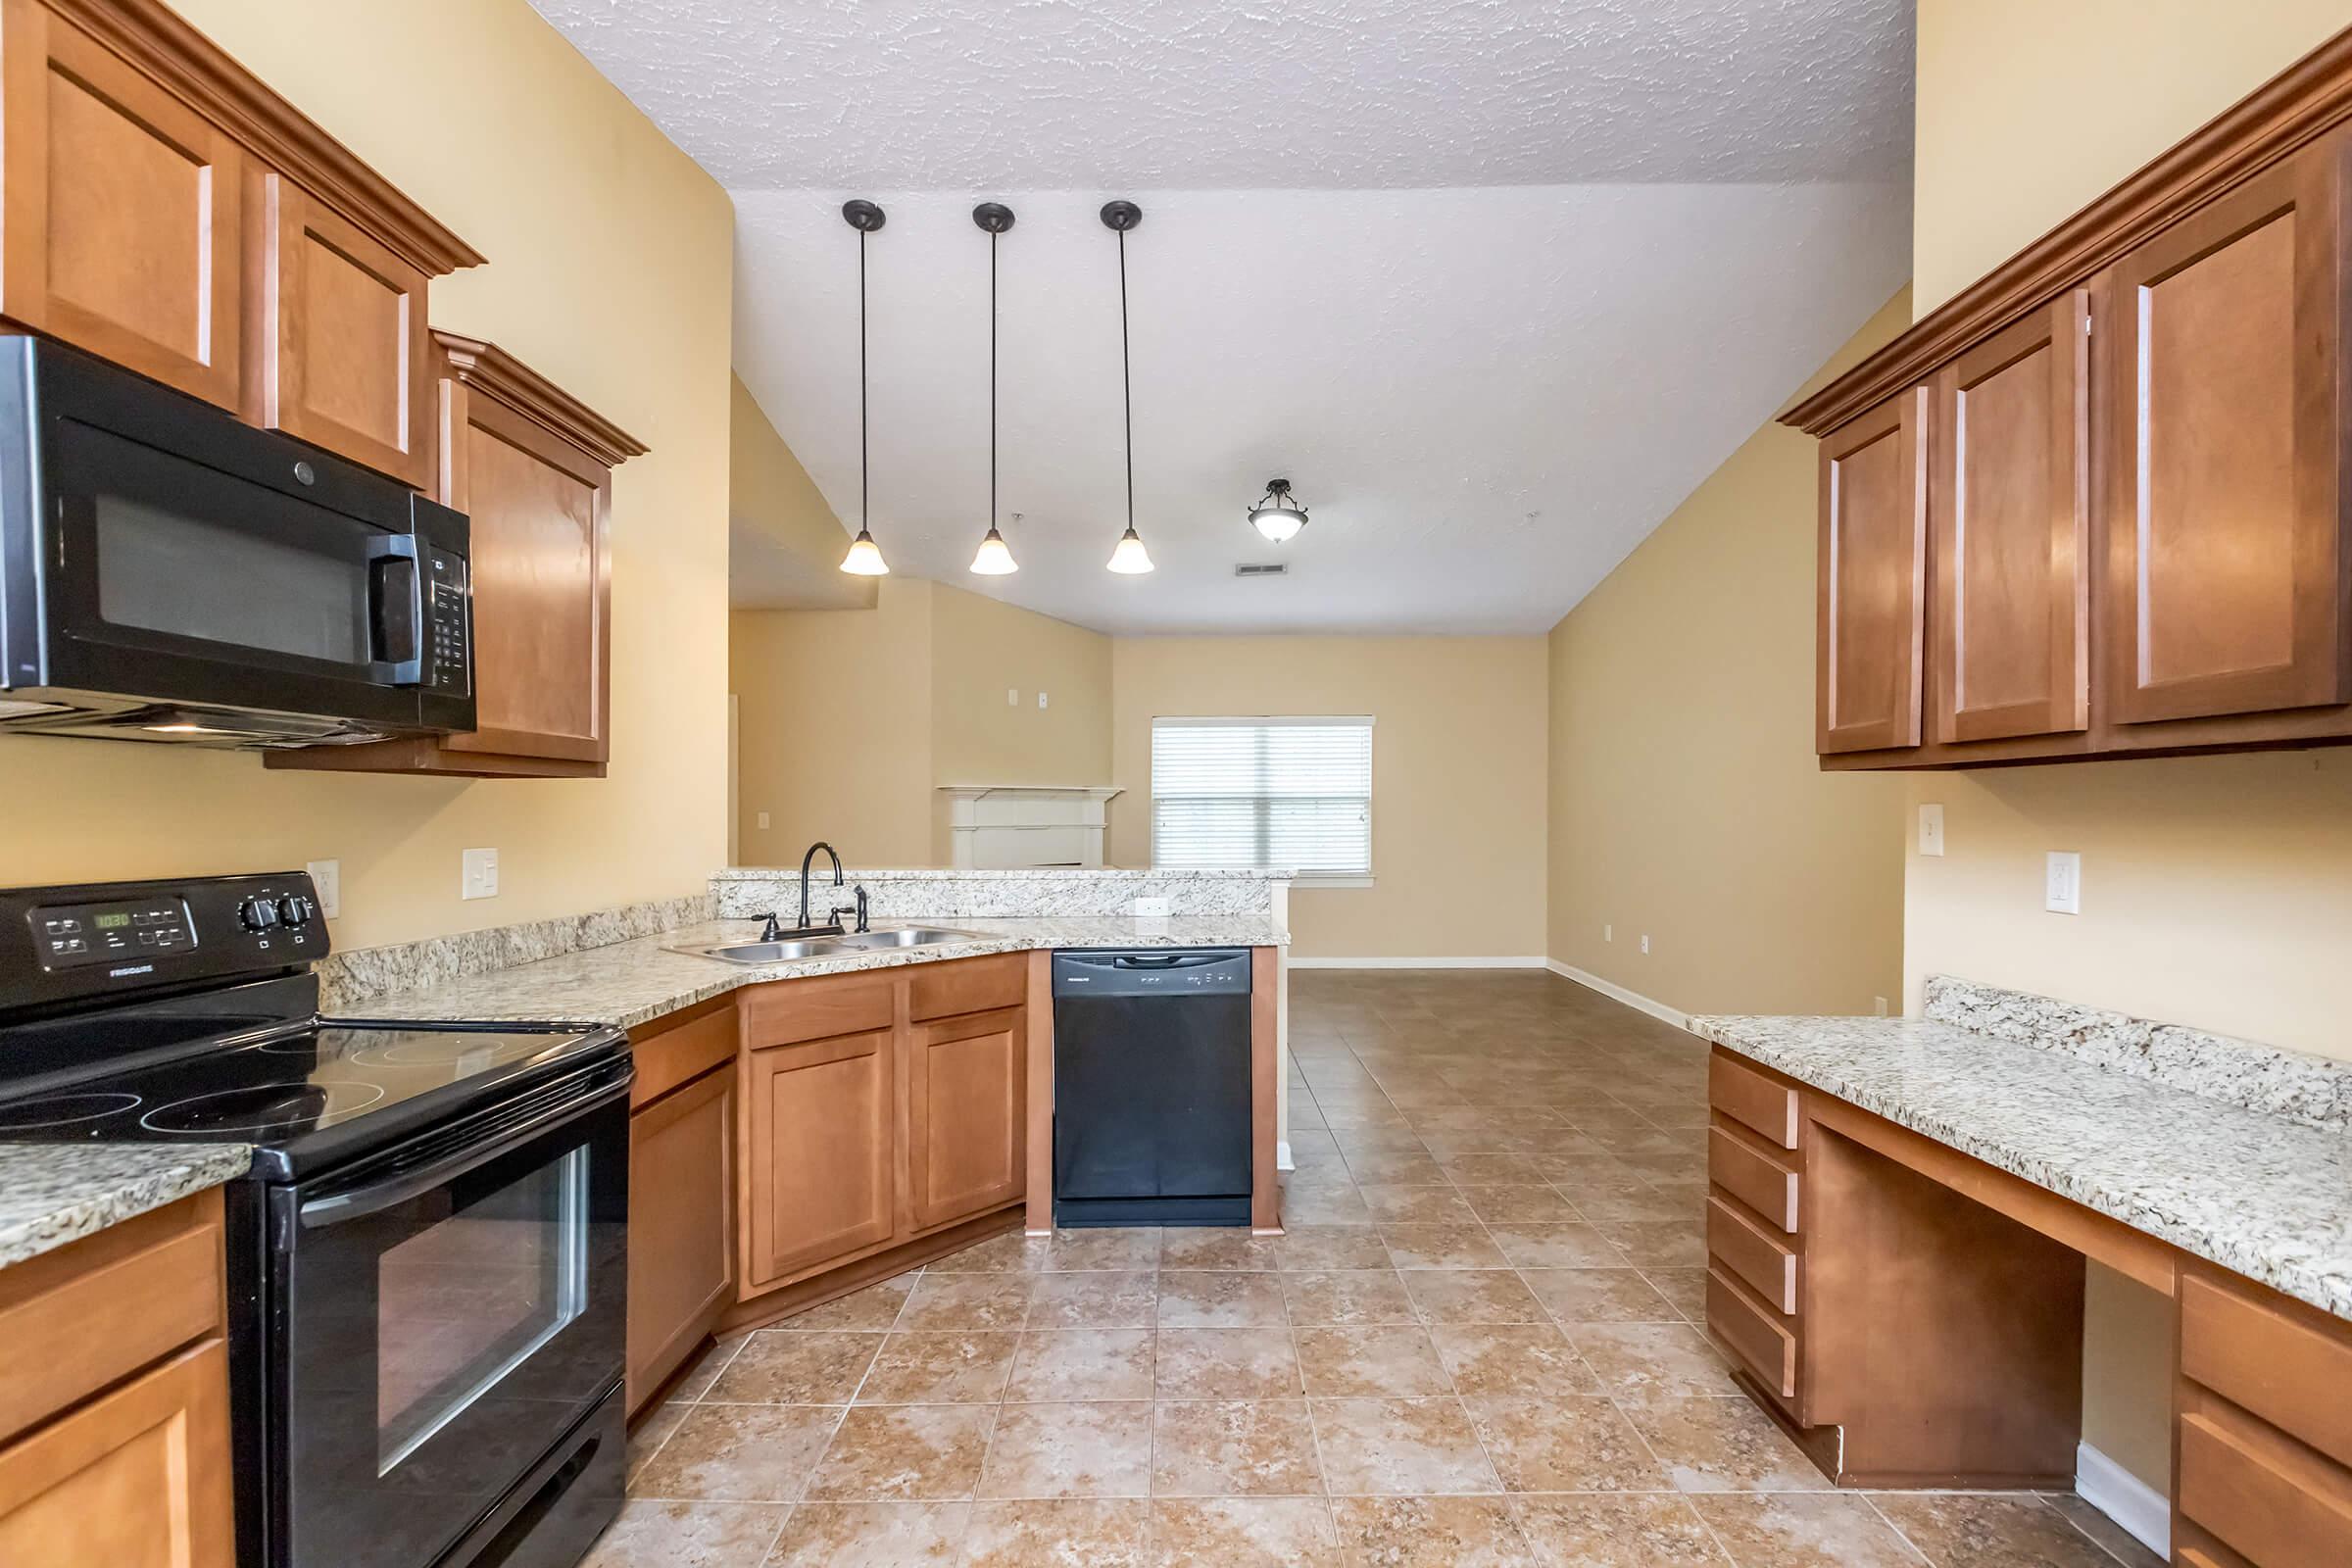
<point>1226,1248</point>
<point>1958,1531</point>
<point>1619,1530</point>
<point>1804,1530</point>
<point>873,1308</point>
<point>649,1433</point>
<point>1398,1447</point>
<point>1533,1359</point>
<point>695,1381</point>
<point>1317,1249</point>
<point>2121,1545</point>
<point>1369,1363</point>
<point>1137,1248</point>
<point>1395,1168</point>
<point>1685,1287</point>
<point>1082,1364</point>
<point>1461,1244</point>
<point>1554,1247</point>
<point>1520,1206</point>
<point>1071,1450</point>
<point>1472,1295</point>
<point>1215,1300</point>
<point>1431,1533</point>
<point>1356,1298</point>
<point>1256,1363</point>
<point>1243,1533</point>
<point>1645,1359</point>
<point>1417,1205</point>
<point>656,1534</point>
<point>1722,1445</point>
<point>1601,1295</point>
<point>1490,1170</point>
<point>1664,1243</point>
<point>944,1368</point>
<point>1012,1253</point>
<point>916,1452</point>
<point>775,1368</point>
<point>1208,1449</point>
<point>1059,1533</point>
<point>944,1302</point>
<point>740,1454</point>
<point>872,1534</point>
<point>1578,1444</point>
<point>1121,1298</point>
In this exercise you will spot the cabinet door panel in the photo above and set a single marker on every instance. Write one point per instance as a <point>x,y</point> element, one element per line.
<point>343,365</point>
<point>681,1225</point>
<point>2010,515</point>
<point>2224,524</point>
<point>968,1114</point>
<point>136,1478</point>
<point>1874,516</point>
<point>542,582</point>
<point>821,1152</point>
<point>123,210</point>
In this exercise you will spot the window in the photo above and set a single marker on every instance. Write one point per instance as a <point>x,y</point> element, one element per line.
<point>1292,794</point>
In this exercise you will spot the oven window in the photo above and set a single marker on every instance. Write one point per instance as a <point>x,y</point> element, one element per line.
<point>463,1302</point>
<point>158,571</point>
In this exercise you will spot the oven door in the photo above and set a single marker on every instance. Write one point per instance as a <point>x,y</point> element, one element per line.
<point>446,1314</point>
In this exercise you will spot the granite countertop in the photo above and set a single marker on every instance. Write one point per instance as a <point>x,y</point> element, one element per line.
<point>2268,1198</point>
<point>629,983</point>
<point>52,1194</point>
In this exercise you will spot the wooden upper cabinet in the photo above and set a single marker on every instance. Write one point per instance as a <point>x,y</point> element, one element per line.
<point>1874,513</point>
<point>122,233</point>
<point>340,360</point>
<point>2010,517</point>
<point>2226,437</point>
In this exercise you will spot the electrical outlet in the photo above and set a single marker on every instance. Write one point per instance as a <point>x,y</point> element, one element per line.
<point>2062,891</point>
<point>326,879</point>
<point>1608,933</point>
<point>1880,1003</point>
<point>764,819</point>
<point>1012,697</point>
<point>1150,909</point>
<point>1040,702</point>
<point>1931,830</point>
<point>477,874</point>
<point>1644,942</point>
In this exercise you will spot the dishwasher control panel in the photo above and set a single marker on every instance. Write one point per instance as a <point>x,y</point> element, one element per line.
<point>1151,971</point>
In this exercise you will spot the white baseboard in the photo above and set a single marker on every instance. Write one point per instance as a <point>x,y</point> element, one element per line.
<point>1281,1154</point>
<point>2144,1512</point>
<point>1617,993</point>
<point>1522,962</point>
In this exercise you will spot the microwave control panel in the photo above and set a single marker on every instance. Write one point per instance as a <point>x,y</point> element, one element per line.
<point>448,616</point>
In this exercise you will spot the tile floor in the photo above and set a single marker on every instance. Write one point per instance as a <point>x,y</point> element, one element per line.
<point>1475,1348</point>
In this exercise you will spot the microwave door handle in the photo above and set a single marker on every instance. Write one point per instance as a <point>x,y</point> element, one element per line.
<point>393,1190</point>
<point>395,624</point>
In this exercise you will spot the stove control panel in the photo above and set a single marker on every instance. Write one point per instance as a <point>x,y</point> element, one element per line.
<point>58,944</point>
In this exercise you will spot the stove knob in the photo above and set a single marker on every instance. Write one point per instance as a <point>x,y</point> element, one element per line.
<point>295,910</point>
<point>256,914</point>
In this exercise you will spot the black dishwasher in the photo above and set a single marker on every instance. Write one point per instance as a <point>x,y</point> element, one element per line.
<point>1152,1087</point>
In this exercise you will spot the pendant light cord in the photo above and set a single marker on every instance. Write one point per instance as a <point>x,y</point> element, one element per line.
<point>865,463</point>
<point>991,381</point>
<point>1127,379</point>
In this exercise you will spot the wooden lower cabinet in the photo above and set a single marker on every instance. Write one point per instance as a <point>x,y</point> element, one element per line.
<point>681,1225</point>
<point>114,1398</point>
<point>967,1114</point>
<point>821,1148</point>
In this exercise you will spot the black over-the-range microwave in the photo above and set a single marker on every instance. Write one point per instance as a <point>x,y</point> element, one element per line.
<point>169,573</point>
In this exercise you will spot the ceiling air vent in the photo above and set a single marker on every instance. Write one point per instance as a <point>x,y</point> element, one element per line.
<point>1261,569</point>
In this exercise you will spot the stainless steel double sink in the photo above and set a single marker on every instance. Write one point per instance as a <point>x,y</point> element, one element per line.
<point>905,936</point>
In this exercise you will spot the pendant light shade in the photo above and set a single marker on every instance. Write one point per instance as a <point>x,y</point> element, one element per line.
<point>1130,558</point>
<point>1276,516</point>
<point>993,558</point>
<point>865,559</point>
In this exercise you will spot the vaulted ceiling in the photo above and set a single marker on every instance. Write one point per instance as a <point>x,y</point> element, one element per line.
<point>1495,283</point>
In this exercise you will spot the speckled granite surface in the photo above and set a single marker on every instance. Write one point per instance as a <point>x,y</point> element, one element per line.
<point>2281,1083</point>
<point>2268,1198</point>
<point>52,1194</point>
<point>943,894</point>
<point>629,983</point>
<point>346,980</point>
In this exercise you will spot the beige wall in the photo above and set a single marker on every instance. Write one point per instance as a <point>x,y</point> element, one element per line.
<point>2026,110</point>
<point>778,512</point>
<point>2215,891</point>
<point>1686,801</point>
<point>609,270</point>
<point>1457,776</point>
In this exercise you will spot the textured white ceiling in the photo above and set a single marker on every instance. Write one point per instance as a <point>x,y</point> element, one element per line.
<point>1047,94</point>
<point>1444,263</point>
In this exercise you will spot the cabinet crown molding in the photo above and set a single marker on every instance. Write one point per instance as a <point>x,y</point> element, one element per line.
<point>499,375</point>
<point>159,42</point>
<point>2311,97</point>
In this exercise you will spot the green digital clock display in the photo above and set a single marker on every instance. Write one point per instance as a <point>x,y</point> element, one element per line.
<point>109,922</point>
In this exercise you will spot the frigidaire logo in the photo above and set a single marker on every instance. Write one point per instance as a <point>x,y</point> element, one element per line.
<point>131,968</point>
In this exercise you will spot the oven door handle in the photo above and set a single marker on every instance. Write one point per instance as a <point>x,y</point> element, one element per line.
<point>393,1190</point>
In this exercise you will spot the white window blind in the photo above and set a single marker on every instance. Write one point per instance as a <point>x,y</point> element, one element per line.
<point>1292,794</point>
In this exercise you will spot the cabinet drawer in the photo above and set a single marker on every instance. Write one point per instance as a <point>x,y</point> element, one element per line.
<point>2263,1495</point>
<point>1766,1347</point>
<point>1738,1244</point>
<point>680,1049</point>
<point>2261,1355</point>
<point>1754,1177</point>
<point>81,1317</point>
<point>971,985</point>
<point>1752,1100</point>
<point>791,1010</point>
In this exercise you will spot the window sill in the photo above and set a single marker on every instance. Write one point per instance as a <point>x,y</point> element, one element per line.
<point>1313,882</point>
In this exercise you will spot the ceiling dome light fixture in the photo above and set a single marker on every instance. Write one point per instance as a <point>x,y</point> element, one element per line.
<point>865,559</point>
<point>1276,516</point>
<point>1130,559</point>
<point>994,559</point>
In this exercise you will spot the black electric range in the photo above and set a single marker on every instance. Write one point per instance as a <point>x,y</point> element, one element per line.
<point>427,1271</point>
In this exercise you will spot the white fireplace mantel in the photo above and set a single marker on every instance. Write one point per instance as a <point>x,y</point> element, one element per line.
<point>1007,826</point>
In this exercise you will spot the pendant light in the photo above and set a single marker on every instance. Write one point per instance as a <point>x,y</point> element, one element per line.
<point>994,559</point>
<point>1130,559</point>
<point>865,559</point>
<point>1276,516</point>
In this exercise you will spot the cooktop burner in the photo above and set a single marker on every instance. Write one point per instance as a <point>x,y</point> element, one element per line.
<point>62,1110</point>
<point>262,1108</point>
<point>473,1050</point>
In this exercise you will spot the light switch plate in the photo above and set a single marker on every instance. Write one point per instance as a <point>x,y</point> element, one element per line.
<point>1012,697</point>
<point>326,877</point>
<point>1931,830</point>
<point>764,819</point>
<point>1608,933</point>
<point>1644,942</point>
<point>477,874</point>
<point>1040,702</point>
<point>2062,892</point>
